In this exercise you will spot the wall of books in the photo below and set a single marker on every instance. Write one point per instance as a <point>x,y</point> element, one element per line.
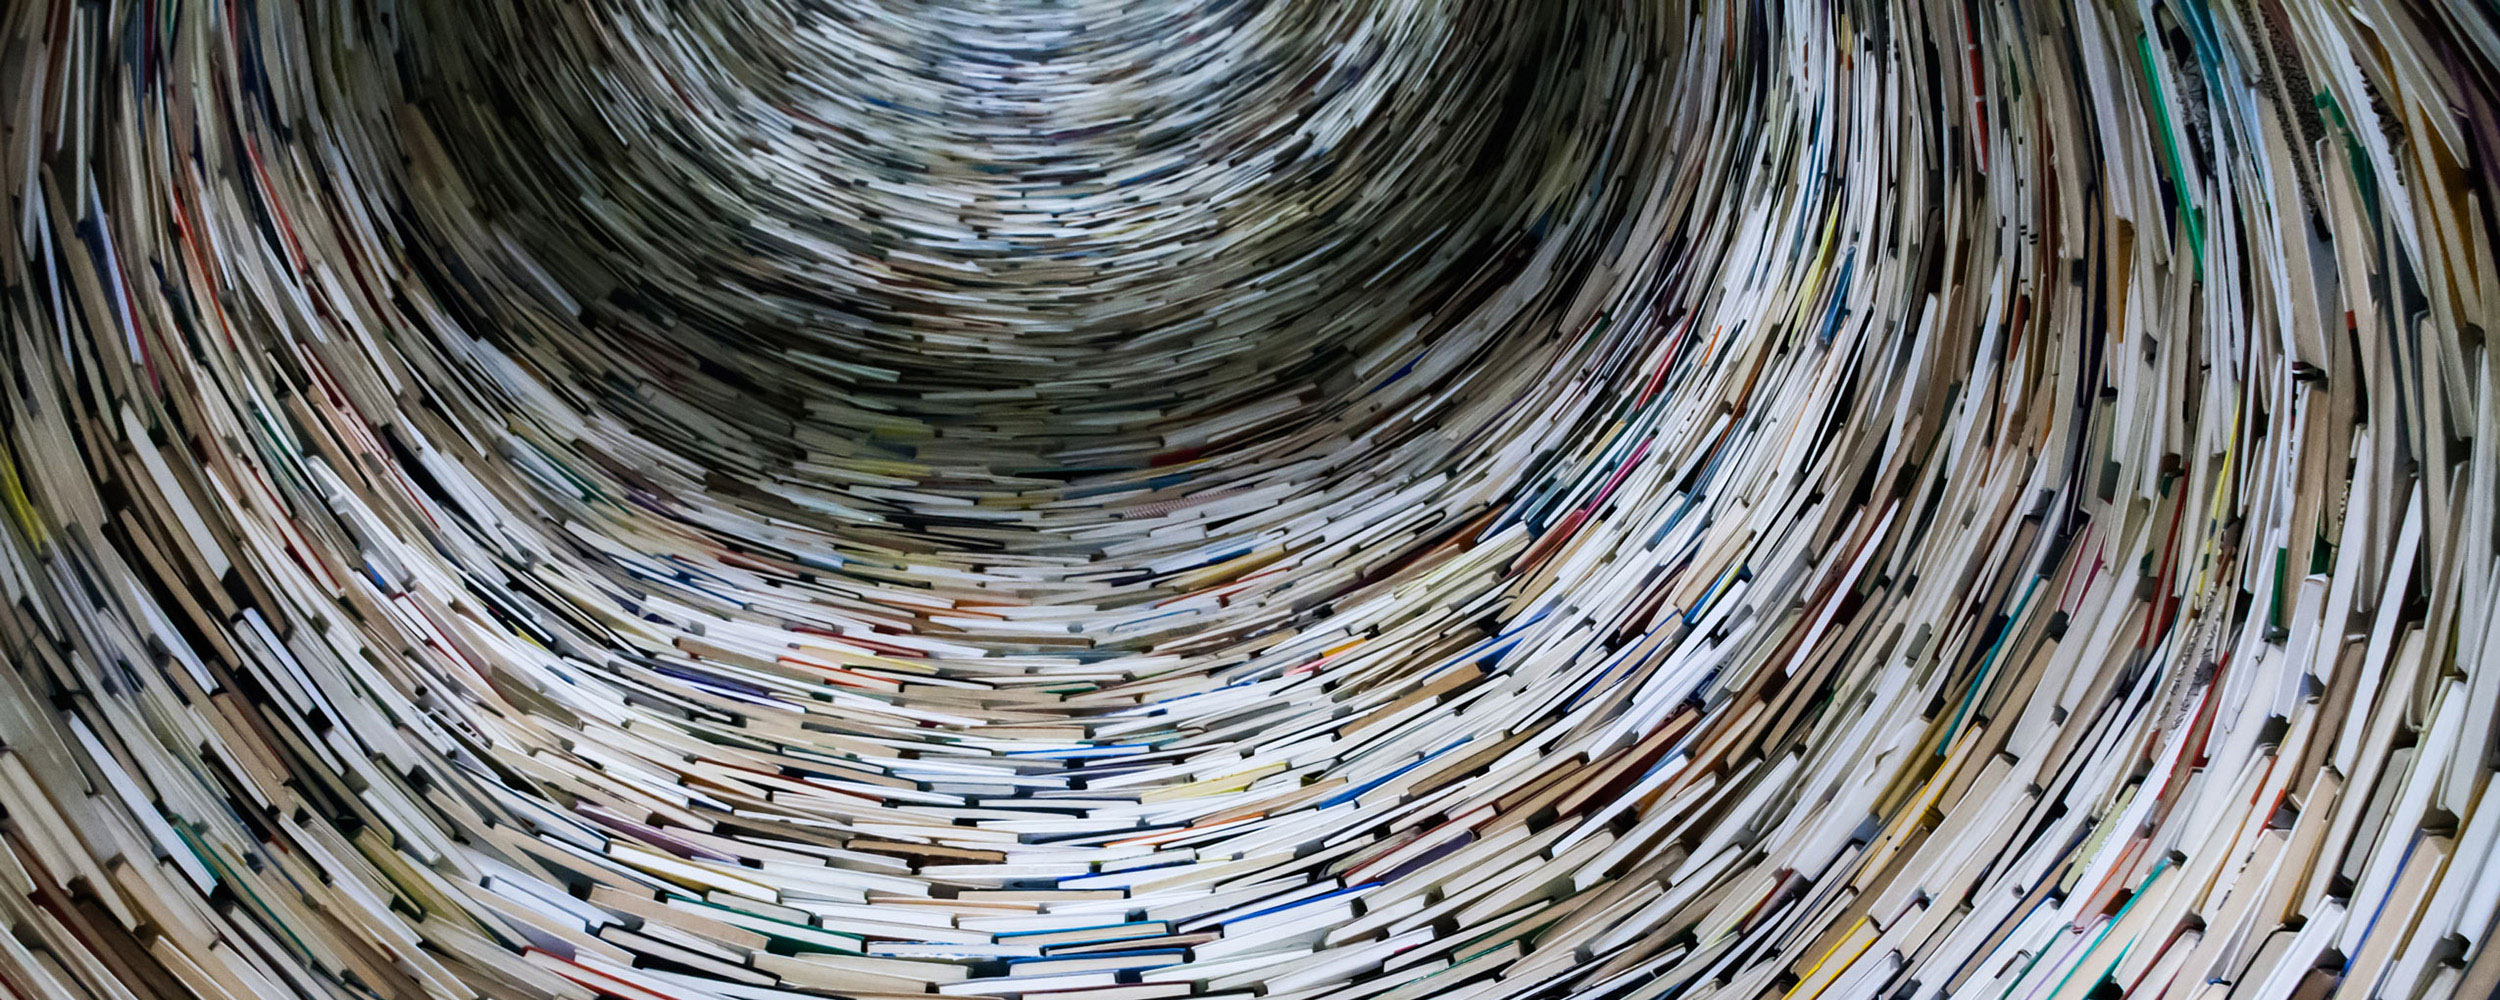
<point>1131,499</point>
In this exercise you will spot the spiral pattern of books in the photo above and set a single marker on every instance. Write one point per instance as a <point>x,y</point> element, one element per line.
<point>1132,499</point>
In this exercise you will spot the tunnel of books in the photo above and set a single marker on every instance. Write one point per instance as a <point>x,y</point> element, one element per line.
<point>1127,499</point>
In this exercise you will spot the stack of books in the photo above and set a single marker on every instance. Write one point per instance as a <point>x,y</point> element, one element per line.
<point>1098,500</point>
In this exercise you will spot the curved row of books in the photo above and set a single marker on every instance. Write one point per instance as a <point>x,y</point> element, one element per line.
<point>1135,499</point>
